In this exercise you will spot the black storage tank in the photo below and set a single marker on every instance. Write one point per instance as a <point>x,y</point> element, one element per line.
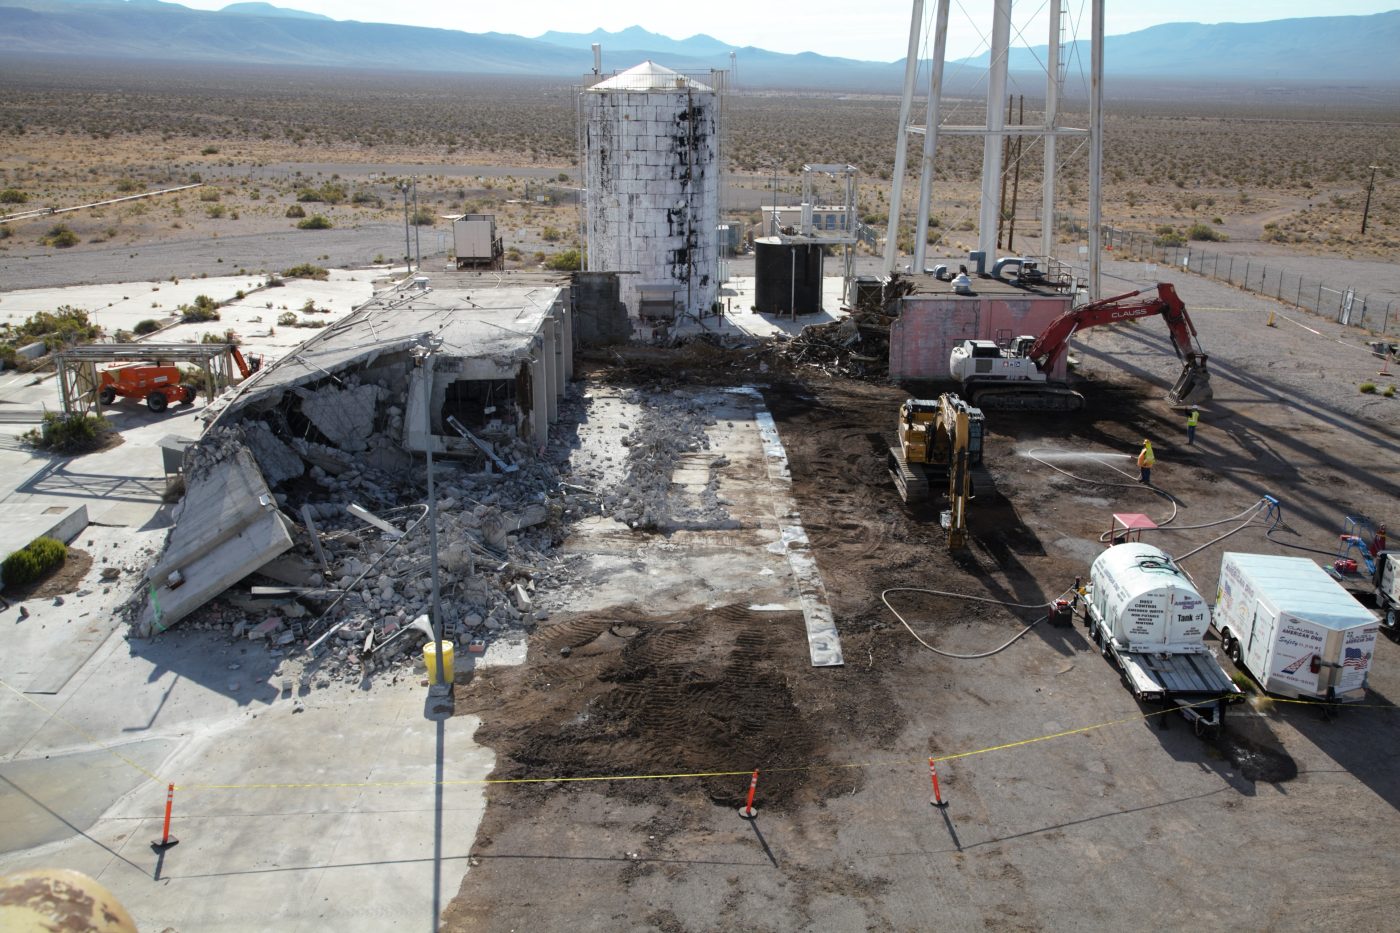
<point>788,276</point>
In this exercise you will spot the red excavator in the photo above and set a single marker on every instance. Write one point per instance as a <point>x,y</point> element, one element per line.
<point>999,378</point>
<point>158,383</point>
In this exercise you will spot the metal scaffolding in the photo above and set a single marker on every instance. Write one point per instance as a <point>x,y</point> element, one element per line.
<point>79,382</point>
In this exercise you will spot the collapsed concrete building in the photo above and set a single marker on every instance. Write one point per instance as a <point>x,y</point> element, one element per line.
<point>316,455</point>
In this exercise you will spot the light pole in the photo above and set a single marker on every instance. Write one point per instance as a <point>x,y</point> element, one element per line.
<point>1366,211</point>
<point>408,251</point>
<point>417,247</point>
<point>426,355</point>
<point>774,221</point>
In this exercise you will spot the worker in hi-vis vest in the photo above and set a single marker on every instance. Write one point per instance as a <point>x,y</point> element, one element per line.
<point>1192,420</point>
<point>1145,460</point>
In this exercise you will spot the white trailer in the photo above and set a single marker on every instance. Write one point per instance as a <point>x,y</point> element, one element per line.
<point>1293,627</point>
<point>1147,617</point>
<point>474,241</point>
<point>1387,581</point>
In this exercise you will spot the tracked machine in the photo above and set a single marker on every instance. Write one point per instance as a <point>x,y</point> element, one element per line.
<point>1016,377</point>
<point>939,441</point>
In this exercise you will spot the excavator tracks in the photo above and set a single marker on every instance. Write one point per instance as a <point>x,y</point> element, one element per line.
<point>1041,398</point>
<point>911,479</point>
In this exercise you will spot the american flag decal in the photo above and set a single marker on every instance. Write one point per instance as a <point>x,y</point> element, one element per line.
<point>1356,659</point>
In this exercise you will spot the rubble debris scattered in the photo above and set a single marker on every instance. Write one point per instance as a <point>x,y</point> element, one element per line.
<point>856,347</point>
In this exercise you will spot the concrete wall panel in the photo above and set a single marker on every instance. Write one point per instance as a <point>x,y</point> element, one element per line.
<point>928,328</point>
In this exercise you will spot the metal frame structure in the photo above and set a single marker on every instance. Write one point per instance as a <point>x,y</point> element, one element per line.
<point>78,381</point>
<point>846,237</point>
<point>995,131</point>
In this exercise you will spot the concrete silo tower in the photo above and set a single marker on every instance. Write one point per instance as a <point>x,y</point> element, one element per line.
<point>651,144</point>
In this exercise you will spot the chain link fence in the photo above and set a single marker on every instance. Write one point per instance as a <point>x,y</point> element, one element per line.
<point>1343,304</point>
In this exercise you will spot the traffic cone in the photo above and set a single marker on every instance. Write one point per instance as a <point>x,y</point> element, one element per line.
<point>937,799</point>
<point>747,811</point>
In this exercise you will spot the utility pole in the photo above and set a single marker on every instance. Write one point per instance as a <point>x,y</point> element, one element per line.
<point>773,224</point>
<point>417,247</point>
<point>1366,211</point>
<point>407,252</point>
<point>441,685</point>
<point>1015,180</point>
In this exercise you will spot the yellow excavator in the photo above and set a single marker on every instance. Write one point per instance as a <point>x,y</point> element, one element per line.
<point>940,440</point>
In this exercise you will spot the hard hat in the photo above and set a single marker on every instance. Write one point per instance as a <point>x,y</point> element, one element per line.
<point>1146,442</point>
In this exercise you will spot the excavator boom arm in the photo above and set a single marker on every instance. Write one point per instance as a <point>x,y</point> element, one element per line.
<point>1055,338</point>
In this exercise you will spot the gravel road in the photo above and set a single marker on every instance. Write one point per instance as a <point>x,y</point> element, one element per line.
<point>351,247</point>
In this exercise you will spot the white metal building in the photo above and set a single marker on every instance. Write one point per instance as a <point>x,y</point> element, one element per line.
<point>651,148</point>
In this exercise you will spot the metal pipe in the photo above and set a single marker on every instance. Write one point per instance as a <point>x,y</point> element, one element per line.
<point>438,620</point>
<point>906,103</point>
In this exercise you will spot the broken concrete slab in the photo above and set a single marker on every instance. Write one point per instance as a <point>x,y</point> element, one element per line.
<point>277,461</point>
<point>228,526</point>
<point>344,416</point>
<point>329,459</point>
<point>266,628</point>
<point>293,570</point>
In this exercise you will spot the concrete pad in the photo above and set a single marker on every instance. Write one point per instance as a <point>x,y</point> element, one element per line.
<point>24,523</point>
<point>49,799</point>
<point>738,296</point>
<point>768,563</point>
<point>824,644</point>
<point>365,840</point>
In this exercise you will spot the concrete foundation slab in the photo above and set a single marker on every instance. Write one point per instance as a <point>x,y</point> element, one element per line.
<point>822,639</point>
<point>24,523</point>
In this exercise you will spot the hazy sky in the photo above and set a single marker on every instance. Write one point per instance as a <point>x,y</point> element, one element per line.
<point>877,30</point>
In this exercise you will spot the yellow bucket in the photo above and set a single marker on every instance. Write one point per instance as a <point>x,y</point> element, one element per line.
<point>430,661</point>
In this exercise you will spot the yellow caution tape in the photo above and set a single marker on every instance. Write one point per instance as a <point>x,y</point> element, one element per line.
<point>81,731</point>
<point>678,775</point>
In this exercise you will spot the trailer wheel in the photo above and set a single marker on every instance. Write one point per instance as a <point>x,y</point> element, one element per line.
<point>1390,620</point>
<point>1233,651</point>
<point>106,395</point>
<point>156,402</point>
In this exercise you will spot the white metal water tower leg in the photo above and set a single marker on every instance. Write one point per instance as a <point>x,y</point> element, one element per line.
<point>996,124</point>
<point>931,117</point>
<point>1052,108</point>
<point>1095,150</point>
<point>911,66</point>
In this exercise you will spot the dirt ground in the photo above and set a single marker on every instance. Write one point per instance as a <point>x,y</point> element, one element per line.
<point>1135,822</point>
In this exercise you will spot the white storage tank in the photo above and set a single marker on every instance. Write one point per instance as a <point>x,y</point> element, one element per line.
<point>1146,602</point>
<point>651,150</point>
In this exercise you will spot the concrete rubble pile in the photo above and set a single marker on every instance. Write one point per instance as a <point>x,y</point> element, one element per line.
<point>496,538</point>
<point>673,429</point>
